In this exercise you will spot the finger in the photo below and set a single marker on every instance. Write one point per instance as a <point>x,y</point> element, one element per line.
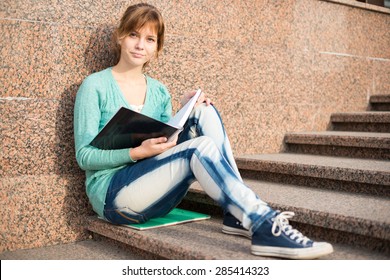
<point>168,145</point>
<point>159,140</point>
<point>201,98</point>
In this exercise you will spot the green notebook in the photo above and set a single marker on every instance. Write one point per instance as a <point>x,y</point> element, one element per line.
<point>176,216</point>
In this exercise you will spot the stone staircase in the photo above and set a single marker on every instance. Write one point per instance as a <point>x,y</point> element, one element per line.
<point>337,182</point>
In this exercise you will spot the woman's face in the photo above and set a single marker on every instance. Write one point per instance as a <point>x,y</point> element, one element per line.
<point>139,46</point>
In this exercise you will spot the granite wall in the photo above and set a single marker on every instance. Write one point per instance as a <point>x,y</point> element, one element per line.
<point>271,66</point>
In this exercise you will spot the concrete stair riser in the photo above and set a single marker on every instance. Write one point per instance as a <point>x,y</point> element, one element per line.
<point>321,167</point>
<point>364,122</point>
<point>320,183</point>
<point>379,107</point>
<point>353,152</point>
<point>356,126</point>
<point>340,144</point>
<point>379,103</point>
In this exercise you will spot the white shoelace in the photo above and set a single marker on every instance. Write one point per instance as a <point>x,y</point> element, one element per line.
<point>281,224</point>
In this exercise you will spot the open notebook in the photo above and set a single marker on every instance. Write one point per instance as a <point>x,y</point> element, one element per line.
<point>128,128</point>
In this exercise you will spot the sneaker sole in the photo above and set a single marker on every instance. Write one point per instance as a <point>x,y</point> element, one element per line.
<point>297,254</point>
<point>236,231</point>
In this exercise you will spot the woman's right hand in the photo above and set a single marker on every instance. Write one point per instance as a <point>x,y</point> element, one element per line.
<point>151,147</point>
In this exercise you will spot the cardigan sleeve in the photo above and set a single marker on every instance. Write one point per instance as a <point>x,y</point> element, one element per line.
<point>167,105</point>
<point>87,115</point>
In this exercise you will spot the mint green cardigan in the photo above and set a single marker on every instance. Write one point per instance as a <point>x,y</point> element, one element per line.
<point>98,99</point>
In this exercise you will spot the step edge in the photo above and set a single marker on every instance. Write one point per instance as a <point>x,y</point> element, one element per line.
<point>369,117</point>
<point>322,171</point>
<point>381,142</point>
<point>380,98</point>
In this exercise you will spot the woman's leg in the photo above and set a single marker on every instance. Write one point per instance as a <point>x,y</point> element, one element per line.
<point>206,121</point>
<point>153,187</point>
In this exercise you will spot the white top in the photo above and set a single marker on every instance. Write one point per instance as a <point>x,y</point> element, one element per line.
<point>137,108</point>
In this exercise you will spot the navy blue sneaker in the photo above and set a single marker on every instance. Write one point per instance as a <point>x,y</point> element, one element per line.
<point>276,238</point>
<point>233,226</point>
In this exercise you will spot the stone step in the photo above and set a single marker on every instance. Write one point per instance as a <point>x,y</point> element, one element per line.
<point>361,121</point>
<point>339,143</point>
<point>379,103</point>
<point>365,176</point>
<point>201,240</point>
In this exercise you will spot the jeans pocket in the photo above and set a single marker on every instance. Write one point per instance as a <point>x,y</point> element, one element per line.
<point>123,217</point>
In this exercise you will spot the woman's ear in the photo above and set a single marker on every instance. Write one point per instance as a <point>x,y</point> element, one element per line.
<point>119,40</point>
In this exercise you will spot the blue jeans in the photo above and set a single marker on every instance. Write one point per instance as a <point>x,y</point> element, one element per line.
<point>153,187</point>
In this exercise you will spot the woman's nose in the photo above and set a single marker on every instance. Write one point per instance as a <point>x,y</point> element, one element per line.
<point>140,44</point>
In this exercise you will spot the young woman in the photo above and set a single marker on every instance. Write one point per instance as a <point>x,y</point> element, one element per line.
<point>134,185</point>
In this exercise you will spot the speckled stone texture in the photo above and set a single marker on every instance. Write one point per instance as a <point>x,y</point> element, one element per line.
<point>204,240</point>
<point>41,210</point>
<point>271,67</point>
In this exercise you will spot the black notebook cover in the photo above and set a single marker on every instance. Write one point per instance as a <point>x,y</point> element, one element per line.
<point>127,129</point>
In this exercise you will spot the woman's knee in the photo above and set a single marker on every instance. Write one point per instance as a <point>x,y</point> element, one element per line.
<point>205,144</point>
<point>208,117</point>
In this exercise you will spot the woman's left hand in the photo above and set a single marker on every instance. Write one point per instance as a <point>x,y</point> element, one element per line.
<point>202,98</point>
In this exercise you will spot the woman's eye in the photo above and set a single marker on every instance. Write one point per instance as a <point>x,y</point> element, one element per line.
<point>133,34</point>
<point>152,40</point>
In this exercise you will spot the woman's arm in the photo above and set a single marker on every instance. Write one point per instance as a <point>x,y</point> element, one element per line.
<point>87,116</point>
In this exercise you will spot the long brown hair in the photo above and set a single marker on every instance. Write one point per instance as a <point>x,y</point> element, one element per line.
<point>134,18</point>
